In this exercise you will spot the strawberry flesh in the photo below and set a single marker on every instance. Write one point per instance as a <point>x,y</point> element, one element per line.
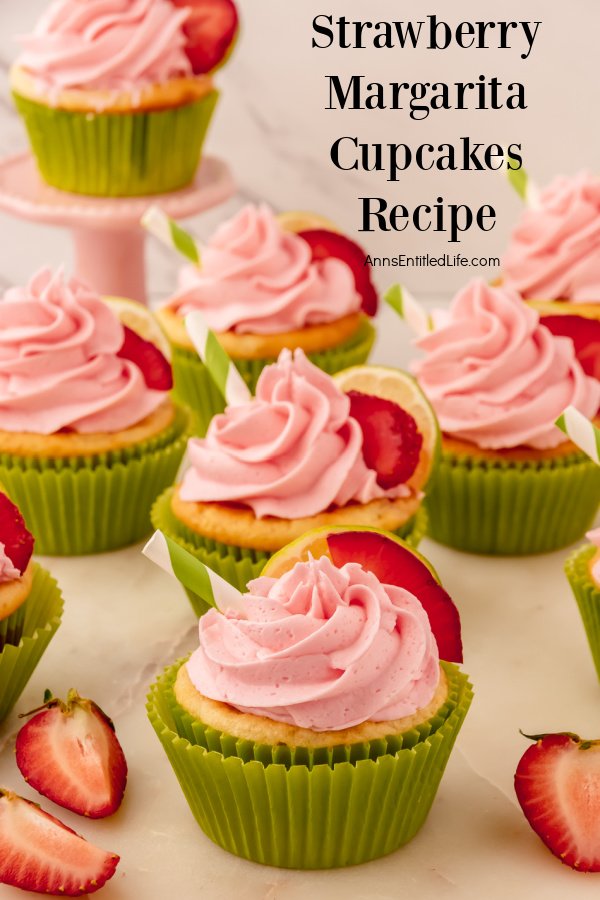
<point>155,368</point>
<point>585,334</point>
<point>17,540</point>
<point>557,783</point>
<point>69,752</point>
<point>391,441</point>
<point>210,31</point>
<point>326,244</point>
<point>38,853</point>
<point>393,563</point>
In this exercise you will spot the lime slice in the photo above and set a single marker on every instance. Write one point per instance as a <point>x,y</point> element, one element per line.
<point>140,320</point>
<point>565,308</point>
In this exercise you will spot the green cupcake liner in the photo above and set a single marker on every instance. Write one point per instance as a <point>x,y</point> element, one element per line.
<point>42,614</point>
<point>93,504</point>
<point>587,595</point>
<point>195,388</point>
<point>11,628</point>
<point>301,809</point>
<point>507,508</point>
<point>117,154</point>
<point>239,565</point>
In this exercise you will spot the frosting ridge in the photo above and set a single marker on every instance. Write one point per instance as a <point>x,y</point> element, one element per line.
<point>8,572</point>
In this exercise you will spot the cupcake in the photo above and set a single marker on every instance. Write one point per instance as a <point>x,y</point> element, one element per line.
<point>88,433</point>
<point>117,95</point>
<point>311,729</point>
<point>30,606</point>
<point>265,284</point>
<point>307,450</point>
<point>583,572</point>
<point>508,481</point>
<point>553,261</point>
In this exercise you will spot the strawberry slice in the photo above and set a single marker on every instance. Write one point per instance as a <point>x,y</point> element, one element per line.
<point>211,30</point>
<point>585,334</point>
<point>393,563</point>
<point>147,357</point>
<point>17,540</point>
<point>558,786</point>
<point>391,442</point>
<point>325,244</point>
<point>38,853</point>
<point>69,752</point>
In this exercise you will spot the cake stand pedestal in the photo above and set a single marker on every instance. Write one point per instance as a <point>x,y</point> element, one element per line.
<point>107,236</point>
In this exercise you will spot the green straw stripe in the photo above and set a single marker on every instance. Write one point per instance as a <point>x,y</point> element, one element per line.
<point>184,242</point>
<point>217,362</point>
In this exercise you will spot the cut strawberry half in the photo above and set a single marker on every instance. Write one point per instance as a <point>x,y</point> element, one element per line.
<point>393,563</point>
<point>69,752</point>
<point>148,358</point>
<point>326,244</point>
<point>38,853</point>
<point>585,334</point>
<point>558,786</point>
<point>211,30</point>
<point>17,540</point>
<point>391,441</point>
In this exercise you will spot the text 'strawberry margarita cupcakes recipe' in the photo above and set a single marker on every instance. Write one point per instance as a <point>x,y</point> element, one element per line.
<point>508,482</point>
<point>265,284</point>
<point>117,95</point>
<point>553,261</point>
<point>307,450</point>
<point>88,434</point>
<point>318,718</point>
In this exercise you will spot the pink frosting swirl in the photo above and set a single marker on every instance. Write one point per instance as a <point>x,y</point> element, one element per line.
<point>107,44</point>
<point>321,648</point>
<point>258,278</point>
<point>58,361</point>
<point>291,452</point>
<point>554,252</point>
<point>496,377</point>
<point>8,572</point>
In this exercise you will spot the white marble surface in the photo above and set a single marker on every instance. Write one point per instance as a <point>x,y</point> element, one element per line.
<point>525,647</point>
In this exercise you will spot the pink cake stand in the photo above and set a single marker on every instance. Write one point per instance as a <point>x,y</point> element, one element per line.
<point>108,239</point>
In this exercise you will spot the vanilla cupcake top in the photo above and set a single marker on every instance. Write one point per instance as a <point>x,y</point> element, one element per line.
<point>256,277</point>
<point>322,647</point>
<point>554,251</point>
<point>59,362</point>
<point>114,45</point>
<point>496,377</point>
<point>293,451</point>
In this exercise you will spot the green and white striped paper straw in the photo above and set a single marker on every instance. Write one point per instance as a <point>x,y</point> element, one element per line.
<point>221,368</point>
<point>581,431</point>
<point>170,233</point>
<point>409,309</point>
<point>527,190</point>
<point>193,574</point>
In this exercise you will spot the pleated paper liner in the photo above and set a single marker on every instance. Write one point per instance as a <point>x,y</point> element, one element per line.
<point>97,503</point>
<point>308,809</point>
<point>195,388</point>
<point>42,614</point>
<point>587,595</point>
<point>512,508</point>
<point>11,628</point>
<point>239,565</point>
<point>117,154</point>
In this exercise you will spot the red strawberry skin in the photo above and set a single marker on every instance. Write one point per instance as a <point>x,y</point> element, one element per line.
<point>211,30</point>
<point>148,358</point>
<point>585,334</point>
<point>391,442</point>
<point>558,786</point>
<point>394,564</point>
<point>70,753</point>
<point>326,244</point>
<point>38,853</point>
<point>17,540</point>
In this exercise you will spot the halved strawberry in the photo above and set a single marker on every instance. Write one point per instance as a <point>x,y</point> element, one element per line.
<point>69,752</point>
<point>147,357</point>
<point>585,334</point>
<point>211,29</point>
<point>38,853</point>
<point>325,244</point>
<point>394,563</point>
<point>17,540</point>
<point>558,786</point>
<point>391,441</point>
